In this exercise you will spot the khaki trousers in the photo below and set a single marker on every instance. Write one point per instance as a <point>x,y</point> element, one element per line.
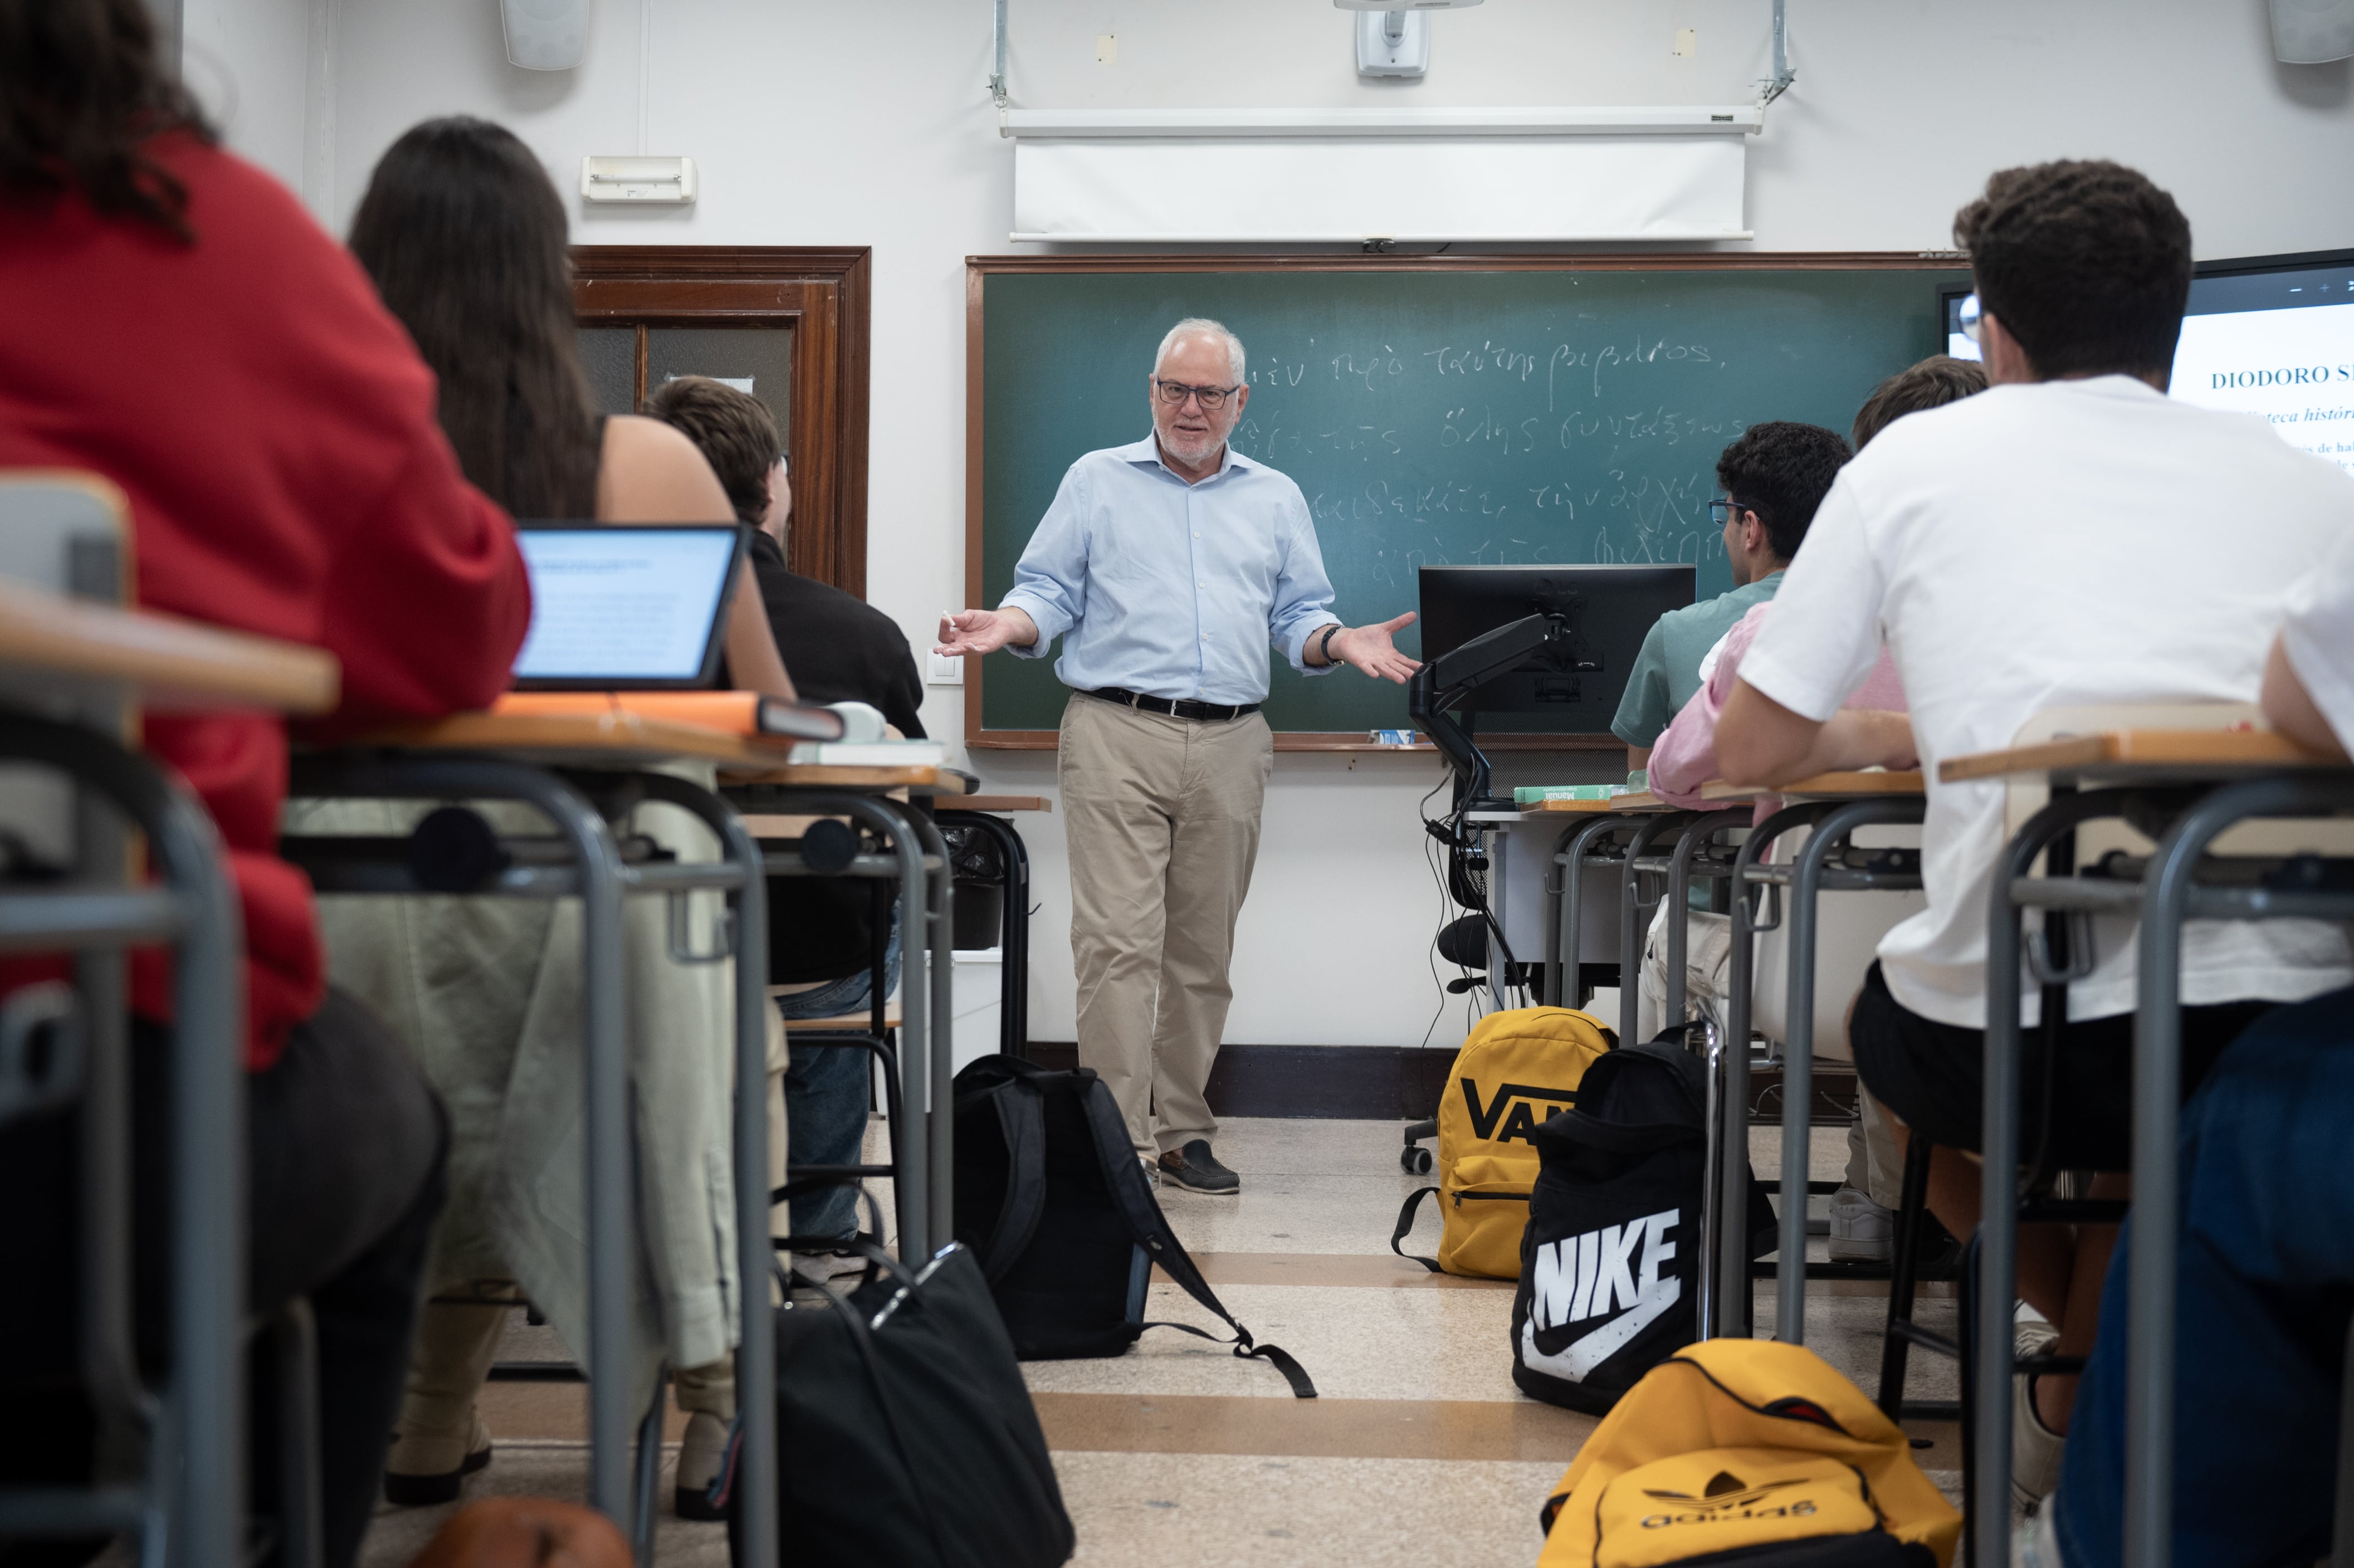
<point>1162,818</point>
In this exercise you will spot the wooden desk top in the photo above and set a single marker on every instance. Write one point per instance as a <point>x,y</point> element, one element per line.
<point>1642,801</point>
<point>1822,787</point>
<point>2153,754</point>
<point>166,663</point>
<point>1005,803</point>
<point>616,738</point>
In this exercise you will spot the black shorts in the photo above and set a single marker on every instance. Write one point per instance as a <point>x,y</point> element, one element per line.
<point>1932,1075</point>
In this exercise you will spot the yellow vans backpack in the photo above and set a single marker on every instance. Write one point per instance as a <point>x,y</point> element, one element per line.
<point>1753,1447</point>
<point>1517,1068</point>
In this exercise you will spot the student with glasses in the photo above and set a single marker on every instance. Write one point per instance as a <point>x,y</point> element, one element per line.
<point>1167,568</point>
<point>1774,476</point>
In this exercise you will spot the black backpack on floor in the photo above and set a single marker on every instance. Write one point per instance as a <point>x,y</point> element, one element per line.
<point>1610,1261</point>
<point>1052,1199</point>
<point>906,1437</point>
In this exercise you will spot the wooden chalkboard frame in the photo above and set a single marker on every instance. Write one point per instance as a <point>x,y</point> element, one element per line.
<point>979,269</point>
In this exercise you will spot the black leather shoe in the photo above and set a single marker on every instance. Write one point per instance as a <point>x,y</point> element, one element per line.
<point>1197,1169</point>
<point>424,1492</point>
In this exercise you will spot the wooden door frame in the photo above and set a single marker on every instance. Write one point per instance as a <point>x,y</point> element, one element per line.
<point>979,268</point>
<point>825,294</point>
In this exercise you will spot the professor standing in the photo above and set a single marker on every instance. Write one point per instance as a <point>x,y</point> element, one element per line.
<point>1168,569</point>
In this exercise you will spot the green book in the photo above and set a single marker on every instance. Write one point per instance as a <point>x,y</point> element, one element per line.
<point>1534,794</point>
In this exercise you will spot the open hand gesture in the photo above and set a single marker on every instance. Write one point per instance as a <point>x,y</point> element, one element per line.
<point>985,632</point>
<point>1369,650</point>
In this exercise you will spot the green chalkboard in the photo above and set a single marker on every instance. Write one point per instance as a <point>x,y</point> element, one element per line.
<point>1499,412</point>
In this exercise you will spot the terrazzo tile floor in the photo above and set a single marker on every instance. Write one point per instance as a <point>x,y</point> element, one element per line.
<point>1420,1451</point>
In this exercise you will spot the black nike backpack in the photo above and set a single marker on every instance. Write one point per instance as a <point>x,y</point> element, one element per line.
<point>1052,1199</point>
<point>1610,1260</point>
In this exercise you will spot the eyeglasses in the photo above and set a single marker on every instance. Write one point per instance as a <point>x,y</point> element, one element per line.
<point>1174,394</point>
<point>1720,510</point>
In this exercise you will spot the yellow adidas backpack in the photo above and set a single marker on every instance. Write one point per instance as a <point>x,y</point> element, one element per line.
<point>1746,1446</point>
<point>1517,1068</point>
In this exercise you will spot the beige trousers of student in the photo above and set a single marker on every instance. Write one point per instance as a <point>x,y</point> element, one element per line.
<point>1162,816</point>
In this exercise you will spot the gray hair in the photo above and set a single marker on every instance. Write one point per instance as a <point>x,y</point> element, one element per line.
<point>1202,326</point>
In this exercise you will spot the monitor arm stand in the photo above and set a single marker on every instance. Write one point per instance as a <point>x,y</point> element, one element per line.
<point>1444,682</point>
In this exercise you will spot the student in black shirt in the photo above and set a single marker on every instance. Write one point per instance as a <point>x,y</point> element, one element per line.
<point>838,649</point>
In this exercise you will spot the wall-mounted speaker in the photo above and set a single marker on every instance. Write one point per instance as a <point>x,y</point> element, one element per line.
<point>546,35</point>
<point>2310,32</point>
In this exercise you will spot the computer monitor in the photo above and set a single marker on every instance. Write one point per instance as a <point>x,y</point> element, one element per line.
<point>625,607</point>
<point>2274,336</point>
<point>1957,302</point>
<point>1572,687</point>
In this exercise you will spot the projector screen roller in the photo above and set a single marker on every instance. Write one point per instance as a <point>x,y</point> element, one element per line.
<point>622,606</point>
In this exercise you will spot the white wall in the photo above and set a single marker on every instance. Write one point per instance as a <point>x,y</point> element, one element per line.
<point>868,123</point>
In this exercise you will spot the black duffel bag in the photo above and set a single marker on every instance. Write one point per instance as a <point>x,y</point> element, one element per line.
<point>905,1437</point>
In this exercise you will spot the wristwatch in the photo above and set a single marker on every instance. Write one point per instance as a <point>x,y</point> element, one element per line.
<point>1324,649</point>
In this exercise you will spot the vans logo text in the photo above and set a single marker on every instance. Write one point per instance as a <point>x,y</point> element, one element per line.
<point>1520,1124</point>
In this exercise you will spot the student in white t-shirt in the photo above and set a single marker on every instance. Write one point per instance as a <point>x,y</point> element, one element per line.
<point>2071,536</point>
<point>2309,680</point>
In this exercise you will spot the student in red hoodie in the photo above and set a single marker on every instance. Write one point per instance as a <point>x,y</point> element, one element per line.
<point>176,323</point>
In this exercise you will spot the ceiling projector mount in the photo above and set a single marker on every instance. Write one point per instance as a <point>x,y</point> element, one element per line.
<point>1394,38</point>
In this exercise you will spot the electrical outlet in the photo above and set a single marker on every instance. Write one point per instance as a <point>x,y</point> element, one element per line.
<point>943,672</point>
<point>1687,42</point>
<point>1106,49</point>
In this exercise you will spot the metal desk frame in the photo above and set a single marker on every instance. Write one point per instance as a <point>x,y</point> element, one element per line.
<point>596,871</point>
<point>2164,896</point>
<point>188,1506</point>
<point>1573,851</point>
<point>924,1183</point>
<point>1013,937</point>
<point>1808,877</point>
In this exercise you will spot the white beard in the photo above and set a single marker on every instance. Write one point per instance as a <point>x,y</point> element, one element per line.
<point>1196,451</point>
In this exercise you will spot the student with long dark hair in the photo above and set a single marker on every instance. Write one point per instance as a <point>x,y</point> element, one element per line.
<point>465,237</point>
<point>175,321</point>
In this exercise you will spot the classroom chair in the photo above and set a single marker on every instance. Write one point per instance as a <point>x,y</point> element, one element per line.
<point>68,533</point>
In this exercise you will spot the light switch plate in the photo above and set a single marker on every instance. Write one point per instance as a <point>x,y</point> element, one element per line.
<point>943,672</point>
<point>1687,42</point>
<point>1106,49</point>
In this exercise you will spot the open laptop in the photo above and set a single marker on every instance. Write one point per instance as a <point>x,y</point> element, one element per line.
<point>626,606</point>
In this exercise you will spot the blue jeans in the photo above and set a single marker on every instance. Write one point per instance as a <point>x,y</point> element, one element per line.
<point>826,1094</point>
<point>2266,1289</point>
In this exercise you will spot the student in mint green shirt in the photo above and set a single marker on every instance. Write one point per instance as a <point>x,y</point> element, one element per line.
<point>1773,476</point>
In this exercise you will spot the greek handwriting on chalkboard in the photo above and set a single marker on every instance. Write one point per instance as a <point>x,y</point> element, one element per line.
<point>1521,418</point>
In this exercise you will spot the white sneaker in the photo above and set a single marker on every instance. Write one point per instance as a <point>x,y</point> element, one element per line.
<point>2035,1449</point>
<point>2036,1542</point>
<point>1862,1231</point>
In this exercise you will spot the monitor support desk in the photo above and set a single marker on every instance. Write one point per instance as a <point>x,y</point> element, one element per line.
<point>1447,679</point>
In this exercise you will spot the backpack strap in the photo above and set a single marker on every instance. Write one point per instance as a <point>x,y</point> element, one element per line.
<point>1276,1356</point>
<point>1022,1118</point>
<point>1125,1178</point>
<point>1406,1228</point>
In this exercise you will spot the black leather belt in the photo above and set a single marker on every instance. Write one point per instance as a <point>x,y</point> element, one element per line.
<point>1175,707</point>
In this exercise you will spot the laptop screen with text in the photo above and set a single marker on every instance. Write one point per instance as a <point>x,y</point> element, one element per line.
<point>624,606</point>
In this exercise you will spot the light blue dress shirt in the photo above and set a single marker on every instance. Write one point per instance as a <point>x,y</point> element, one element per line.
<point>1173,590</point>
